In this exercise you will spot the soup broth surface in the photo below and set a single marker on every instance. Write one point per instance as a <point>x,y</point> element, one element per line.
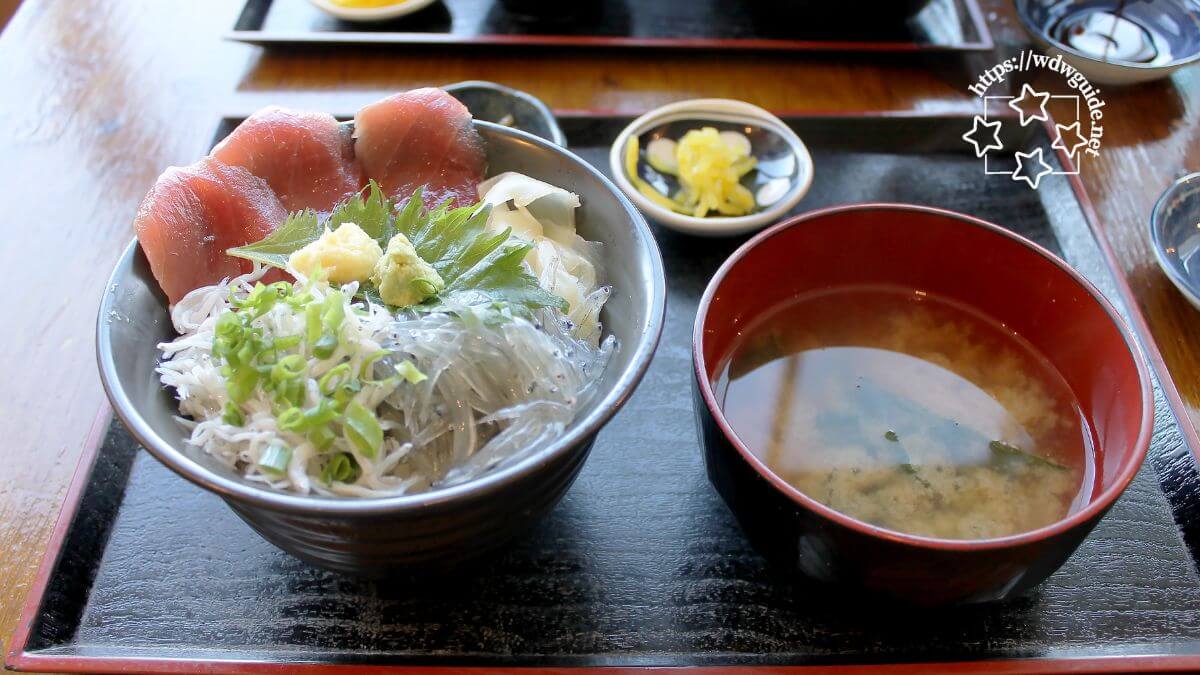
<point>909,412</point>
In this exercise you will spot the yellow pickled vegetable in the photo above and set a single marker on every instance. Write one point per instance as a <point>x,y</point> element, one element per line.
<point>631,168</point>
<point>710,171</point>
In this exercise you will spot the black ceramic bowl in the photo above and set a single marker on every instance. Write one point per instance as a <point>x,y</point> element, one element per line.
<point>432,530</point>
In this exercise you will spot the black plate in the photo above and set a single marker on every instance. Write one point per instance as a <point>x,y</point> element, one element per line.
<point>641,564</point>
<point>727,24</point>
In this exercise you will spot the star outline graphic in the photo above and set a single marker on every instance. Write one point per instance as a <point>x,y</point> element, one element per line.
<point>1059,143</point>
<point>1029,93</point>
<point>1044,169</point>
<point>992,144</point>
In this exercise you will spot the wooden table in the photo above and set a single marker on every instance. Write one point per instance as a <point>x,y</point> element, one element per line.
<point>97,97</point>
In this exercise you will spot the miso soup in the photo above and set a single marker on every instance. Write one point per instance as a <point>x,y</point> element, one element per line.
<point>909,412</point>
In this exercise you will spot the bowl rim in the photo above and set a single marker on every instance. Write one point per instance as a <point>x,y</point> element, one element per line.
<point>1157,213</point>
<point>1036,33</point>
<point>713,226</point>
<point>556,132</point>
<point>251,494</point>
<point>1094,509</point>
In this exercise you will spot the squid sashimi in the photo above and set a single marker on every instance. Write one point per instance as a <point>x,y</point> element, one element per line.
<point>193,214</point>
<point>306,157</point>
<point>422,137</point>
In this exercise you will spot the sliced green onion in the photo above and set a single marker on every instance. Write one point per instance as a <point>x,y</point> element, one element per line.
<point>322,413</point>
<point>231,414</point>
<point>241,383</point>
<point>296,302</point>
<point>247,351</point>
<point>410,373</point>
<point>312,324</point>
<point>286,342</point>
<point>227,334</point>
<point>289,394</point>
<point>321,437</point>
<point>366,371</point>
<point>295,419</point>
<point>325,346</point>
<point>288,368</point>
<point>362,430</point>
<point>333,313</point>
<point>342,397</point>
<point>259,301</point>
<point>291,419</point>
<point>229,326</point>
<point>262,298</point>
<point>340,467</point>
<point>275,460</point>
<point>336,378</point>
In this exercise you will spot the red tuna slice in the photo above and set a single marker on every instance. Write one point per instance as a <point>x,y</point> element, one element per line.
<point>193,214</point>
<point>421,137</point>
<point>306,157</point>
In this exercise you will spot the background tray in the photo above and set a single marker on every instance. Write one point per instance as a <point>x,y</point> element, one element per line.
<point>641,564</point>
<point>708,24</point>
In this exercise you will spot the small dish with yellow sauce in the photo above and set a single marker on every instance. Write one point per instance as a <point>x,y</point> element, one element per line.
<point>370,10</point>
<point>711,167</point>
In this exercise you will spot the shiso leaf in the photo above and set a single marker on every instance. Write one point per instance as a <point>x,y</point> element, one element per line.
<point>300,229</point>
<point>371,294</point>
<point>372,213</point>
<point>480,266</point>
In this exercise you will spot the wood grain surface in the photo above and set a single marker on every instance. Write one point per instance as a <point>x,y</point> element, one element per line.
<point>7,9</point>
<point>97,97</point>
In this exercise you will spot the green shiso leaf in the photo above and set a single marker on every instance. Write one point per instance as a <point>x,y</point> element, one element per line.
<point>480,266</point>
<point>371,294</point>
<point>299,230</point>
<point>372,213</point>
<point>369,209</point>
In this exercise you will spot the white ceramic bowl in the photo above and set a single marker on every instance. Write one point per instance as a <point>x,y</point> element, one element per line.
<point>1177,22</point>
<point>714,110</point>
<point>369,14</point>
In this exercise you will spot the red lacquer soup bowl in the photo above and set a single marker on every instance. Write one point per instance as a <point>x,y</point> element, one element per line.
<point>975,263</point>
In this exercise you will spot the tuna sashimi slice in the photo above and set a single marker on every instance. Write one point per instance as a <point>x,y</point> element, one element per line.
<point>422,137</point>
<point>193,214</point>
<point>306,157</point>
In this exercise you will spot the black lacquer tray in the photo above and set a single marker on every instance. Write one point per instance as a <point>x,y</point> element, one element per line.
<point>641,564</point>
<point>804,25</point>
